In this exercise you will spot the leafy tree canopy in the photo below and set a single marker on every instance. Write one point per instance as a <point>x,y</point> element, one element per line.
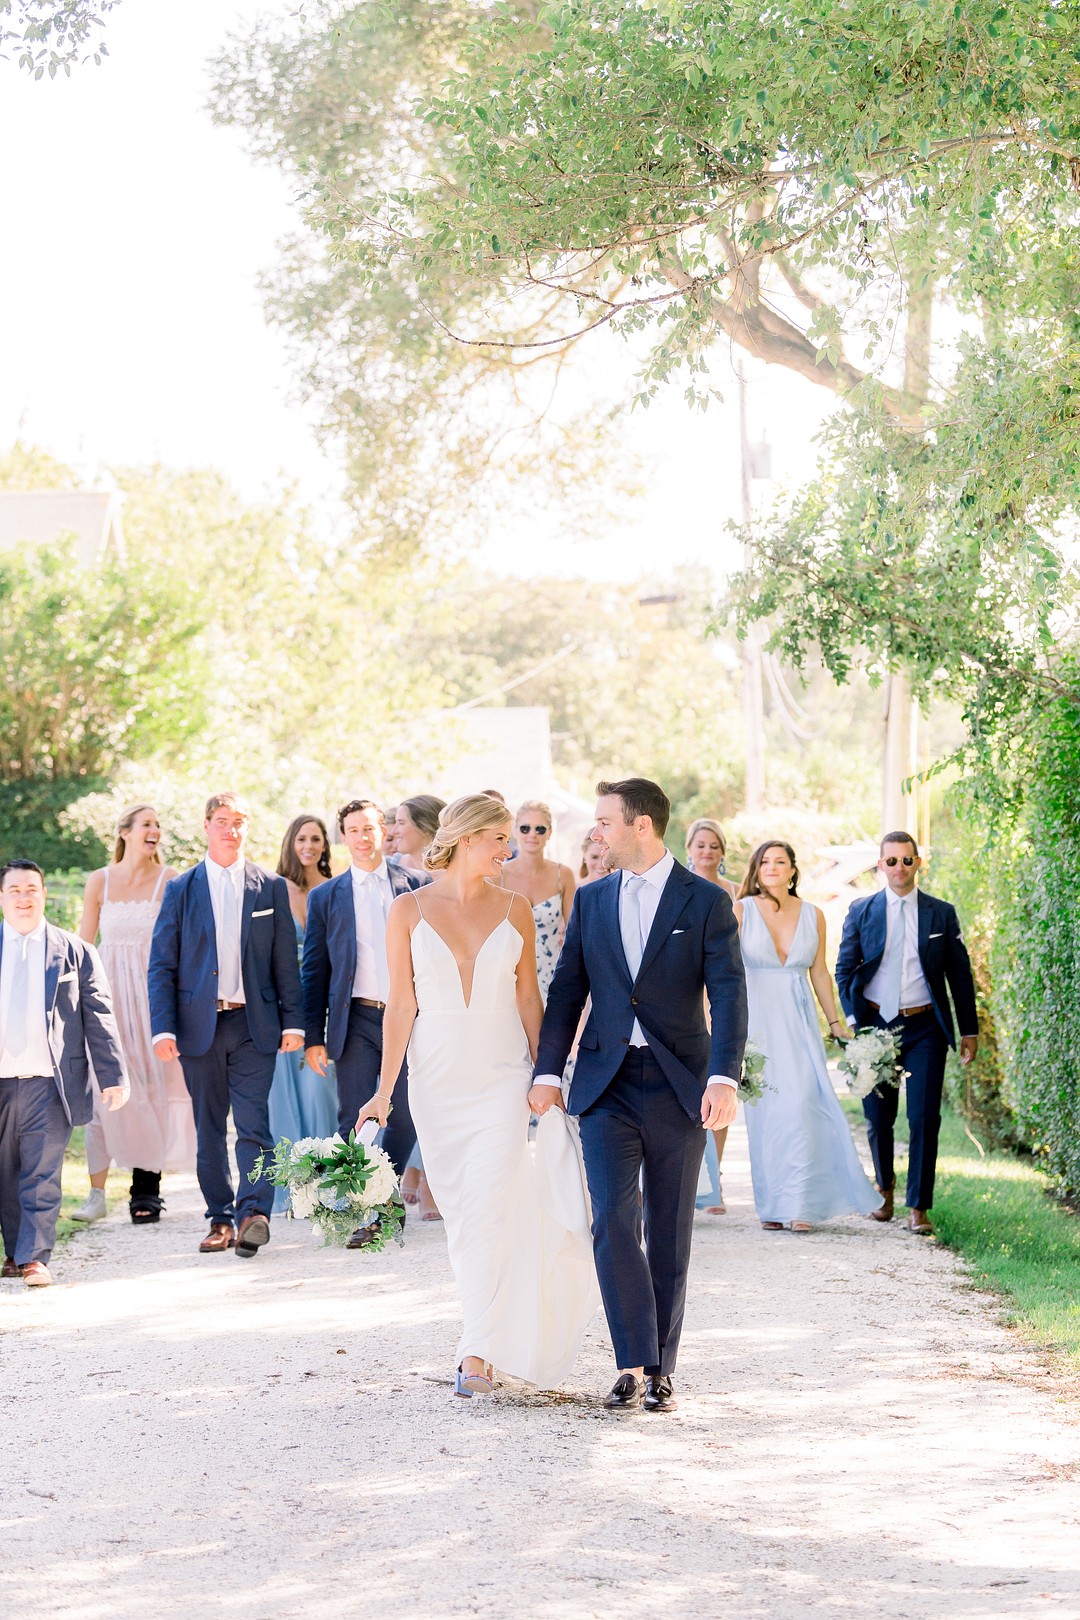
<point>436,436</point>
<point>47,35</point>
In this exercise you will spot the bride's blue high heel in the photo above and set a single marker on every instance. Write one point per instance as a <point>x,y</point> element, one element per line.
<point>469,1384</point>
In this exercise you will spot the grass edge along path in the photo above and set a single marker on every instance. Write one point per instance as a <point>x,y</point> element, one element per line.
<point>997,1211</point>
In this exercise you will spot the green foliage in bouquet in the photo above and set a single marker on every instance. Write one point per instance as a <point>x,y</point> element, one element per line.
<point>338,1186</point>
<point>752,1086</point>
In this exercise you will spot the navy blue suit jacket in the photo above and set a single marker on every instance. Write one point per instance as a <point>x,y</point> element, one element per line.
<point>183,972</point>
<point>330,955</point>
<point>942,953</point>
<point>80,1022</point>
<point>693,947</point>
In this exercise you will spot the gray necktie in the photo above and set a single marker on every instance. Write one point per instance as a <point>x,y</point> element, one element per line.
<point>15,1034</point>
<point>892,968</point>
<point>229,966</point>
<point>630,923</point>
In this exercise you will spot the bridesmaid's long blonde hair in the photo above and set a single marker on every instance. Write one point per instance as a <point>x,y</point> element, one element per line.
<point>125,824</point>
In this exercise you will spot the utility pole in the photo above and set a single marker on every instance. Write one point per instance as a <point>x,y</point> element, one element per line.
<point>753,689</point>
<point>899,808</point>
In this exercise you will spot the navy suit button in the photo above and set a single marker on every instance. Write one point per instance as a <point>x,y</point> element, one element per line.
<point>626,1040</point>
<point>633,1001</point>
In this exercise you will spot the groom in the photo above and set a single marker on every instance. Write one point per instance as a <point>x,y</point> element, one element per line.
<point>645,943</point>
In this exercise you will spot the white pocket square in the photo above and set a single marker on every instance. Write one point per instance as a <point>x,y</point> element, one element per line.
<point>65,978</point>
<point>675,931</point>
<point>269,912</point>
<point>936,936</point>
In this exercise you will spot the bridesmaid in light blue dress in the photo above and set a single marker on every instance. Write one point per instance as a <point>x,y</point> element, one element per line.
<point>302,1103</point>
<point>802,1157</point>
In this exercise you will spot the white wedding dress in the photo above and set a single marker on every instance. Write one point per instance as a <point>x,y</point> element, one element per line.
<point>516,1215</point>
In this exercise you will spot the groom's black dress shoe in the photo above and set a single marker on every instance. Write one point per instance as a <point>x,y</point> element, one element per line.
<point>659,1396</point>
<point>625,1394</point>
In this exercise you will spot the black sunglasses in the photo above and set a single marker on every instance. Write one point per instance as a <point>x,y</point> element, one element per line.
<point>894,860</point>
<point>539,828</point>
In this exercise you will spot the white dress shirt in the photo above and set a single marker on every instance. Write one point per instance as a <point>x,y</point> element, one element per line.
<point>649,892</point>
<point>35,1055</point>
<point>902,911</point>
<point>226,884</point>
<point>372,896</point>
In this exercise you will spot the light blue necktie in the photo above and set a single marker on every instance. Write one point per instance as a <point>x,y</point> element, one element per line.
<point>229,969</point>
<point>892,968</point>
<point>15,1034</point>
<point>630,923</point>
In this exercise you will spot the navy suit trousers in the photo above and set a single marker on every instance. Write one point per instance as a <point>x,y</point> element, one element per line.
<point>358,1079</point>
<point>232,1074</point>
<point>923,1050</point>
<point>34,1133</point>
<point>638,1128</point>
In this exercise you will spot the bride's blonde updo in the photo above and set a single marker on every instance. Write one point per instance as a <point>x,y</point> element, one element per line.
<point>472,813</point>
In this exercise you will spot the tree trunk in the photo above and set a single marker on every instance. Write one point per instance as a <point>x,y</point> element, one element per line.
<point>900,752</point>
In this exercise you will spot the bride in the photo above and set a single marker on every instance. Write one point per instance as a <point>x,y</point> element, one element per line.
<point>464,1000</point>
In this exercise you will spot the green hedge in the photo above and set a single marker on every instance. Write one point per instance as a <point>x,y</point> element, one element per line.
<point>31,828</point>
<point>1036,953</point>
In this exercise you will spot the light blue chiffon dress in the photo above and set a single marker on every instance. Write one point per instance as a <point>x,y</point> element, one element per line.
<point>302,1103</point>
<point>802,1156</point>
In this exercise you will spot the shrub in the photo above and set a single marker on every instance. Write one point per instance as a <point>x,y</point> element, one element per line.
<point>1036,952</point>
<point>31,824</point>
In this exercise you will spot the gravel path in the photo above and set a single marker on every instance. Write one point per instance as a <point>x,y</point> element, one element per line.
<point>200,1437</point>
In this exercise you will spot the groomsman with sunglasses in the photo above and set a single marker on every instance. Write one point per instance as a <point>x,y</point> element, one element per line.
<point>901,955</point>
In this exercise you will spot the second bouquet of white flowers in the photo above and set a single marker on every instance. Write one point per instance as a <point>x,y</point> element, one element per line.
<point>871,1058</point>
<point>338,1186</point>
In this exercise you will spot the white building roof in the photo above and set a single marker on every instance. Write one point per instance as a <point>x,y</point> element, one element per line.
<point>39,517</point>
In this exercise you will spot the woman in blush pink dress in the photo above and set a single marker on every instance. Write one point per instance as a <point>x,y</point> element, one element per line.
<point>156,1130</point>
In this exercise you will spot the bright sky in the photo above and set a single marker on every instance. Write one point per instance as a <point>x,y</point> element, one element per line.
<point>133,331</point>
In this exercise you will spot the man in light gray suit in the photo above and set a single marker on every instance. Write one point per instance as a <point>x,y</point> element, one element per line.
<point>55,1017</point>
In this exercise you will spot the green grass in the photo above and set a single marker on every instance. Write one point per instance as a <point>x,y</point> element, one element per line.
<point>997,1212</point>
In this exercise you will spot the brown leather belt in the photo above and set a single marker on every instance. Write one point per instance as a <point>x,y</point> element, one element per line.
<point>906,1012</point>
<point>229,1006</point>
<point>365,1001</point>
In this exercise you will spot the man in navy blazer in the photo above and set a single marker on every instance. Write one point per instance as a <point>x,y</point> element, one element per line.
<point>901,953</point>
<point>225,998</point>
<point>346,979</point>
<point>55,1017</point>
<point>646,943</point>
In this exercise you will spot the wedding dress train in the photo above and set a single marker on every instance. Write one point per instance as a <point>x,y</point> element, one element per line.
<point>515,1213</point>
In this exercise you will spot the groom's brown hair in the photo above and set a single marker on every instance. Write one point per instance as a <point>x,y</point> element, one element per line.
<point>640,797</point>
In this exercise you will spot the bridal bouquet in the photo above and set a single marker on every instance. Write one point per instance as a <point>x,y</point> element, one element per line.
<point>338,1186</point>
<point>752,1086</point>
<point>871,1058</point>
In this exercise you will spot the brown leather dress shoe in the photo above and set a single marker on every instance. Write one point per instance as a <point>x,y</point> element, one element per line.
<point>362,1238</point>
<point>253,1232</point>
<point>885,1213</point>
<point>919,1223</point>
<point>36,1274</point>
<point>10,1269</point>
<point>219,1238</point>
